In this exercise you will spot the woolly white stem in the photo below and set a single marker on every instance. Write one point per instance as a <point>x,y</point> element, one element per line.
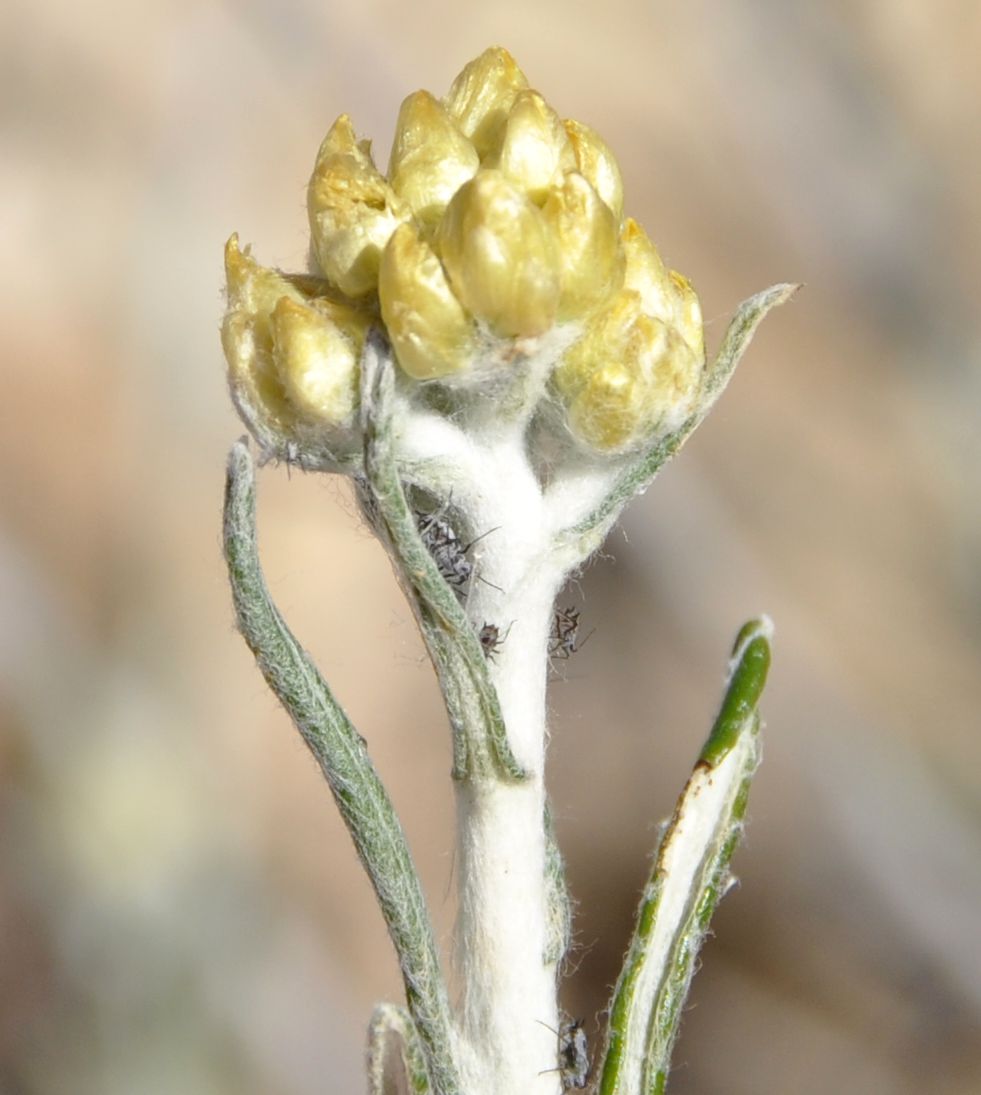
<point>509,991</point>
<point>508,988</point>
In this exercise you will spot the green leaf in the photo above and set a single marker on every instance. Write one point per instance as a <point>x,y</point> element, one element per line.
<point>749,315</point>
<point>389,1022</point>
<point>690,875</point>
<point>343,757</point>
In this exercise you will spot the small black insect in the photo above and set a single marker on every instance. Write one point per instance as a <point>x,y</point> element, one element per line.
<point>434,530</point>
<point>573,1055</point>
<point>573,1066</point>
<point>443,544</point>
<point>491,639</point>
<point>450,556</point>
<point>564,640</point>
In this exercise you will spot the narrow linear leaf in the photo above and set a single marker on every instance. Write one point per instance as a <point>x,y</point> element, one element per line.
<point>748,669</point>
<point>749,315</point>
<point>389,1024</point>
<point>690,875</point>
<point>342,755</point>
<point>450,637</point>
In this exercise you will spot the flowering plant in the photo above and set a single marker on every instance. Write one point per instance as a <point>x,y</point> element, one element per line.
<point>500,360</point>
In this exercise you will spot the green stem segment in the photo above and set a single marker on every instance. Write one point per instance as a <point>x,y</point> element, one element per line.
<point>342,755</point>
<point>690,875</point>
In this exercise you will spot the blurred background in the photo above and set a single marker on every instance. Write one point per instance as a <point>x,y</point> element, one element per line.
<point>180,909</point>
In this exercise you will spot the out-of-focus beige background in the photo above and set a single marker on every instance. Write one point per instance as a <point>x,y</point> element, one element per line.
<point>180,908</point>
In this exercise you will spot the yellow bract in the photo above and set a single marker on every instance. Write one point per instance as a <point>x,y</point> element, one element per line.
<point>500,256</point>
<point>431,333</point>
<point>482,96</point>
<point>316,350</point>
<point>646,274</point>
<point>535,151</point>
<point>596,163</point>
<point>664,293</point>
<point>591,260</point>
<point>688,314</point>
<point>352,209</point>
<point>431,159</point>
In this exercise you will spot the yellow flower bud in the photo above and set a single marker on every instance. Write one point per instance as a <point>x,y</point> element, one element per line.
<point>607,412</point>
<point>316,351</point>
<point>482,95</point>
<point>596,163</point>
<point>431,333</point>
<point>293,353</point>
<point>431,159</point>
<point>646,273</point>
<point>591,261</point>
<point>629,377</point>
<point>497,221</point>
<point>500,256</point>
<point>352,210</point>
<point>535,150</point>
<point>608,329</point>
<point>688,314</point>
<point>246,337</point>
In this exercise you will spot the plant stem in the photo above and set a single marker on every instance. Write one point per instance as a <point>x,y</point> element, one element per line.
<point>505,957</point>
<point>509,886</point>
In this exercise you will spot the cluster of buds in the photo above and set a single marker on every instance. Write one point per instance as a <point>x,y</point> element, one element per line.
<point>496,237</point>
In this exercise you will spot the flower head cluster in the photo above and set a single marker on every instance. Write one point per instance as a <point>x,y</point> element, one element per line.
<point>497,225</point>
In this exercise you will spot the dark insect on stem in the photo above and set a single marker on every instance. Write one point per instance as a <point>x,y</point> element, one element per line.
<point>491,639</point>
<point>573,1055</point>
<point>564,640</point>
<point>573,1066</point>
<point>450,556</point>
